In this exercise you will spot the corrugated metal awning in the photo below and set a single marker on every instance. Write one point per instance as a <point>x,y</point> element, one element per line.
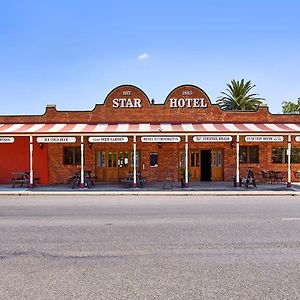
<point>150,128</point>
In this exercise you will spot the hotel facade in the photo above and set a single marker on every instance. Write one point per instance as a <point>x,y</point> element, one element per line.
<point>186,138</point>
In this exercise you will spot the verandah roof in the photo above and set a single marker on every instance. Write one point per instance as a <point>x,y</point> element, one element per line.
<point>127,128</point>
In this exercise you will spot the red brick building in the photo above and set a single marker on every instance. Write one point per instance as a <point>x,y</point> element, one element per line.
<point>187,132</point>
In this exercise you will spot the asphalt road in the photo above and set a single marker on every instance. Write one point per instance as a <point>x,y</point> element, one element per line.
<point>142,247</point>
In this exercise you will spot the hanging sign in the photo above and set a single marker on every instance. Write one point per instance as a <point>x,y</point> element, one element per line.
<point>56,139</point>
<point>264,138</point>
<point>297,138</point>
<point>160,139</point>
<point>6,140</point>
<point>108,139</point>
<point>212,138</point>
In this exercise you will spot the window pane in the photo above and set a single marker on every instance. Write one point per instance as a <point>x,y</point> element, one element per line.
<point>279,155</point>
<point>126,159</point>
<point>219,158</point>
<point>77,156</point>
<point>254,154</point>
<point>295,156</point>
<point>109,159</point>
<point>103,158</point>
<point>182,161</point>
<point>197,159</point>
<point>72,155</point>
<point>243,154</point>
<point>68,156</point>
<point>115,159</point>
<point>192,160</point>
<point>98,159</point>
<point>153,159</point>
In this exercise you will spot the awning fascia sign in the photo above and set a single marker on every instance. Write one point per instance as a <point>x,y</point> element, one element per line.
<point>6,140</point>
<point>108,139</point>
<point>56,139</point>
<point>212,138</point>
<point>297,138</point>
<point>264,138</point>
<point>160,139</point>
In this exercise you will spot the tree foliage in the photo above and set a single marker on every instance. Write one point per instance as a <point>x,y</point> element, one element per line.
<point>289,107</point>
<point>238,97</point>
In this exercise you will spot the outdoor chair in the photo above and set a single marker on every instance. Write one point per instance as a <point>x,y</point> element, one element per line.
<point>250,179</point>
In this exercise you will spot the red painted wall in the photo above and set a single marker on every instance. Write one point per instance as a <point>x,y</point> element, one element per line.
<point>40,162</point>
<point>15,158</point>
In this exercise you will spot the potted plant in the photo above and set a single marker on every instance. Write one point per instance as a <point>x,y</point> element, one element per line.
<point>182,179</point>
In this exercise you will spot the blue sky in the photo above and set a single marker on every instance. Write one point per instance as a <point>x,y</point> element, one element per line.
<point>72,53</point>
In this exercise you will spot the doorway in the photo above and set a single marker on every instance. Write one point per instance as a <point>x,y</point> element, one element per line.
<point>205,165</point>
<point>114,165</point>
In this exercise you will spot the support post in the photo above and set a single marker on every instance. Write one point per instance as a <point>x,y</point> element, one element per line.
<point>82,163</point>
<point>134,161</point>
<point>31,161</point>
<point>186,184</point>
<point>237,178</point>
<point>289,150</point>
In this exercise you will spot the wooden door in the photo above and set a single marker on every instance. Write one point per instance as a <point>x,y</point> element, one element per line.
<point>113,165</point>
<point>100,167</point>
<point>217,165</point>
<point>194,165</point>
<point>123,164</point>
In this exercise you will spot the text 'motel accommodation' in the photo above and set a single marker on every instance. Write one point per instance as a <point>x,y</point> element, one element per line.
<point>128,133</point>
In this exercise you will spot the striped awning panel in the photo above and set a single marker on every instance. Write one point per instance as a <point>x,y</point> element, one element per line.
<point>150,128</point>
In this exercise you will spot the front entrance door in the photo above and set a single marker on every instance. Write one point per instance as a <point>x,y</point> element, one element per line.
<point>113,165</point>
<point>217,164</point>
<point>205,165</point>
<point>194,165</point>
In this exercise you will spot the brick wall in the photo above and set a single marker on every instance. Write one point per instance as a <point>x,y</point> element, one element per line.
<point>156,113</point>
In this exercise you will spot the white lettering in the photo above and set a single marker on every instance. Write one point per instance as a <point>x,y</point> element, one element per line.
<point>196,102</point>
<point>115,103</point>
<point>181,102</point>
<point>188,102</point>
<point>203,104</point>
<point>187,93</point>
<point>127,103</point>
<point>126,93</point>
<point>137,102</point>
<point>173,102</point>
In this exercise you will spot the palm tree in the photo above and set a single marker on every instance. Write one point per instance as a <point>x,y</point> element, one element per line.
<point>289,107</point>
<point>237,97</point>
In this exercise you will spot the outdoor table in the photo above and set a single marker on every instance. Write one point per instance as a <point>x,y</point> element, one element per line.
<point>129,179</point>
<point>88,179</point>
<point>20,178</point>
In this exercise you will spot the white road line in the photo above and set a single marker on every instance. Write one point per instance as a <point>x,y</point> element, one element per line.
<point>290,219</point>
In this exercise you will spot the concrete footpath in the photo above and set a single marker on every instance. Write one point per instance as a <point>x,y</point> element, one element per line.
<point>221,188</point>
<point>217,191</point>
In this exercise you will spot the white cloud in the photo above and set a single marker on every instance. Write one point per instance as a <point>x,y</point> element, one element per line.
<point>143,56</point>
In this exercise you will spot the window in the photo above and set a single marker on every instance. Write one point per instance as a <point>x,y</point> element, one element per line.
<point>249,154</point>
<point>279,155</point>
<point>137,158</point>
<point>153,160</point>
<point>72,156</point>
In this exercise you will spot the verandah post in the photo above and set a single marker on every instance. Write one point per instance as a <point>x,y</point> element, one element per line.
<point>31,161</point>
<point>237,179</point>
<point>186,161</point>
<point>289,150</point>
<point>82,162</point>
<point>134,161</point>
